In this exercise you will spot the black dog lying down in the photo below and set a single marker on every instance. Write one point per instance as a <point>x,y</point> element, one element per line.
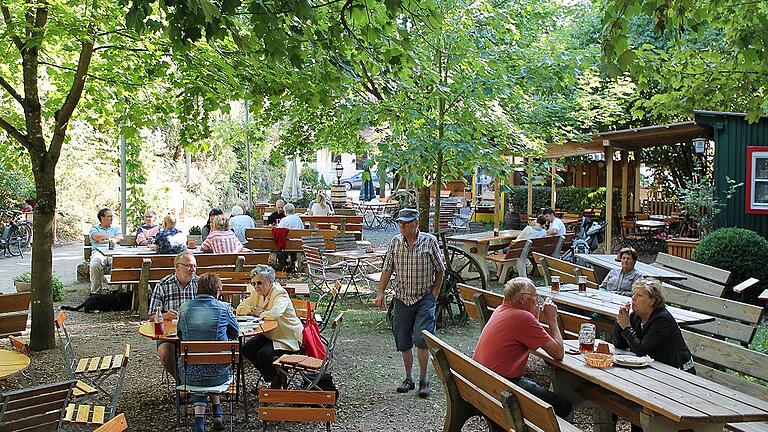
<point>114,301</point>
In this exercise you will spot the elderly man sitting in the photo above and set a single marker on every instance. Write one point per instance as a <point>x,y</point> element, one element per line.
<point>170,240</point>
<point>513,331</point>
<point>239,222</point>
<point>100,236</point>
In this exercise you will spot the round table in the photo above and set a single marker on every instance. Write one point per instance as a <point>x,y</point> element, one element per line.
<point>147,329</point>
<point>11,363</point>
<point>659,217</point>
<point>650,224</point>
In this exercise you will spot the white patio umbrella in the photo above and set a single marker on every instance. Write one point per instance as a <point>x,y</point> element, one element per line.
<point>292,185</point>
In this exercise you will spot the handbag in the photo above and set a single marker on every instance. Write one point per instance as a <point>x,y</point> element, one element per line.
<point>311,343</point>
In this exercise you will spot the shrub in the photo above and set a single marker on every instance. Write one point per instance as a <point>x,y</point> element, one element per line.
<point>195,230</point>
<point>569,198</point>
<point>57,287</point>
<point>740,251</point>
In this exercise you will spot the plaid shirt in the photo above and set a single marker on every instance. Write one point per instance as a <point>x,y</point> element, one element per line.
<point>221,242</point>
<point>169,294</point>
<point>414,267</point>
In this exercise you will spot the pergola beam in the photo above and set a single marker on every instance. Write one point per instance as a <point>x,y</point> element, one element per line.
<point>608,152</point>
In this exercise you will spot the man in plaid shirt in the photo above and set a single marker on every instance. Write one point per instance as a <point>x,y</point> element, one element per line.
<point>417,262</point>
<point>168,295</point>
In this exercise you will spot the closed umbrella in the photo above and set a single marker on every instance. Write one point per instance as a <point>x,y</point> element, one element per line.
<point>292,185</point>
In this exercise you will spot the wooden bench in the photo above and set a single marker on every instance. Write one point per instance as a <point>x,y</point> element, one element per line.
<point>472,389</point>
<point>260,239</point>
<point>480,304</point>
<point>13,313</point>
<point>700,277</point>
<point>567,271</point>
<point>733,320</point>
<point>517,249</point>
<point>344,224</point>
<point>149,269</point>
<point>717,361</point>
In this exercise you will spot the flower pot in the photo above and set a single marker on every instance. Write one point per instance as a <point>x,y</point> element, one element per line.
<point>23,286</point>
<point>197,238</point>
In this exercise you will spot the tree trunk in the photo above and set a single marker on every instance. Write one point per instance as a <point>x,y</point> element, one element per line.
<point>438,183</point>
<point>424,207</point>
<point>41,335</point>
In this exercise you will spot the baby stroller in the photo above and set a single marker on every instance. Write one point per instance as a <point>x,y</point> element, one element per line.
<point>589,237</point>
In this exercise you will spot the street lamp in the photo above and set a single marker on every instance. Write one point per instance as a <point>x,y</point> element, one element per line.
<point>339,172</point>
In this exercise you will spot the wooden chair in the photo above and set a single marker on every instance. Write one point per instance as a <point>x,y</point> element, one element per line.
<point>35,409</point>
<point>13,313</point>
<point>314,241</point>
<point>191,353</point>
<point>516,255</point>
<point>234,286</point>
<point>472,389</point>
<point>631,237</point>
<point>105,374</point>
<point>297,406</point>
<point>117,424</point>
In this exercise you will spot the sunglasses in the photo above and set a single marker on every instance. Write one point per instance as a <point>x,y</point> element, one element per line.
<point>259,283</point>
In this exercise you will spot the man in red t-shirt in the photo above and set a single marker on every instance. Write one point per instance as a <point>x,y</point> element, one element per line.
<point>513,331</point>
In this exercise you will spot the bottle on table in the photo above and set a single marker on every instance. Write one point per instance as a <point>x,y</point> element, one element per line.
<point>158,322</point>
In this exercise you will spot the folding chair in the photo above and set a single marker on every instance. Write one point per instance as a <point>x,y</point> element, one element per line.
<point>310,369</point>
<point>35,409</point>
<point>117,424</point>
<point>100,379</point>
<point>322,274</point>
<point>192,353</point>
<point>234,284</point>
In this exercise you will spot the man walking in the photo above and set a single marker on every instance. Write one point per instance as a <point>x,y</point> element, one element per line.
<point>417,262</point>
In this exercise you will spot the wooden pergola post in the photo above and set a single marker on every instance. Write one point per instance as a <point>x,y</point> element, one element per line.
<point>553,184</point>
<point>636,203</point>
<point>624,181</point>
<point>530,189</point>
<point>608,152</point>
<point>496,204</point>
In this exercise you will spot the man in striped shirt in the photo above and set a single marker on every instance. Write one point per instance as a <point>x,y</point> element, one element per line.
<point>417,262</point>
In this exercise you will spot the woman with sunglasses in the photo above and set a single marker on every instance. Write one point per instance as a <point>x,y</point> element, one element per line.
<point>270,301</point>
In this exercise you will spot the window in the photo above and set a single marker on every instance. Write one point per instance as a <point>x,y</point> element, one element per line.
<point>757,180</point>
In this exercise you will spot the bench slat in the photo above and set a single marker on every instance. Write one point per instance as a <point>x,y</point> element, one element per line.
<point>727,354</point>
<point>705,271</point>
<point>299,414</point>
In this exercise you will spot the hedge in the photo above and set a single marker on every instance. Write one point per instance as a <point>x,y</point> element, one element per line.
<point>569,199</point>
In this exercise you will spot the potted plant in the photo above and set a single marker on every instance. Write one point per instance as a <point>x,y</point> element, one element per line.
<point>195,234</point>
<point>23,283</point>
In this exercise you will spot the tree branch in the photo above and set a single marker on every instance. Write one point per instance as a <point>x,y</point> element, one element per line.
<point>9,88</point>
<point>13,132</point>
<point>120,47</point>
<point>7,18</point>
<point>371,87</point>
<point>96,77</point>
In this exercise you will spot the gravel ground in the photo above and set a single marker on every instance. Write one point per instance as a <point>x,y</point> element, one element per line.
<point>367,370</point>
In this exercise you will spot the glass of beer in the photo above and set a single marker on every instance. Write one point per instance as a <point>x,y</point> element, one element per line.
<point>191,244</point>
<point>555,284</point>
<point>582,284</point>
<point>587,338</point>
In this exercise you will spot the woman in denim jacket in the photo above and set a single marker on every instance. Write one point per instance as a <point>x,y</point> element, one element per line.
<point>207,319</point>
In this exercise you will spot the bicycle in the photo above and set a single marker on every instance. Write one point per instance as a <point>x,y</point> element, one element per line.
<point>16,233</point>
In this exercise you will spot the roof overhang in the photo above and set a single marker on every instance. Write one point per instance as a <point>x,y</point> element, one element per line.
<point>632,139</point>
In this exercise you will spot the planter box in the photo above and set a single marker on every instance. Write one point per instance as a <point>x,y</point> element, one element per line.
<point>682,247</point>
<point>23,286</point>
<point>197,238</point>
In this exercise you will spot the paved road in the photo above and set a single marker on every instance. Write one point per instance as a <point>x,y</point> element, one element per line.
<point>65,260</point>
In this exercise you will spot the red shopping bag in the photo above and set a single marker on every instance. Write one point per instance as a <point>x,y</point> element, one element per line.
<point>311,343</point>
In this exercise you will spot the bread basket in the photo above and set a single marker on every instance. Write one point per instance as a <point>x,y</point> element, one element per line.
<point>598,360</point>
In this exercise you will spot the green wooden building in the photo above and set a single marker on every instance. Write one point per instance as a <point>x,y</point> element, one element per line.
<point>741,153</point>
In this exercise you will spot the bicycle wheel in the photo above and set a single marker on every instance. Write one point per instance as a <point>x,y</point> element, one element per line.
<point>450,307</point>
<point>24,235</point>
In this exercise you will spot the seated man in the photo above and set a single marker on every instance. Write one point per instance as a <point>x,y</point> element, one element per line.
<point>239,222</point>
<point>100,236</point>
<point>204,318</point>
<point>170,240</point>
<point>556,225</point>
<point>513,331</point>
<point>290,221</point>
<point>168,296</point>
<point>275,217</point>
<point>146,233</point>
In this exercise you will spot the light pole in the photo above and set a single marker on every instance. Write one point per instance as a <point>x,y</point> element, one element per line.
<point>339,172</point>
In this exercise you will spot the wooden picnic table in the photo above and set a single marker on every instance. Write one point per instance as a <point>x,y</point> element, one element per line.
<point>608,304</point>
<point>12,362</point>
<point>144,250</point>
<point>147,329</point>
<point>659,397</point>
<point>478,244</point>
<point>603,263</point>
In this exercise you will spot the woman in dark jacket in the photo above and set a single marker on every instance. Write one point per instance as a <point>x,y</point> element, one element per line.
<point>650,329</point>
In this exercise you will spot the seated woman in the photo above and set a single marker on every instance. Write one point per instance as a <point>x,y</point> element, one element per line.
<point>146,233</point>
<point>320,207</point>
<point>534,231</point>
<point>621,280</point>
<point>270,301</point>
<point>205,318</point>
<point>208,227</point>
<point>221,239</point>
<point>650,329</point>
